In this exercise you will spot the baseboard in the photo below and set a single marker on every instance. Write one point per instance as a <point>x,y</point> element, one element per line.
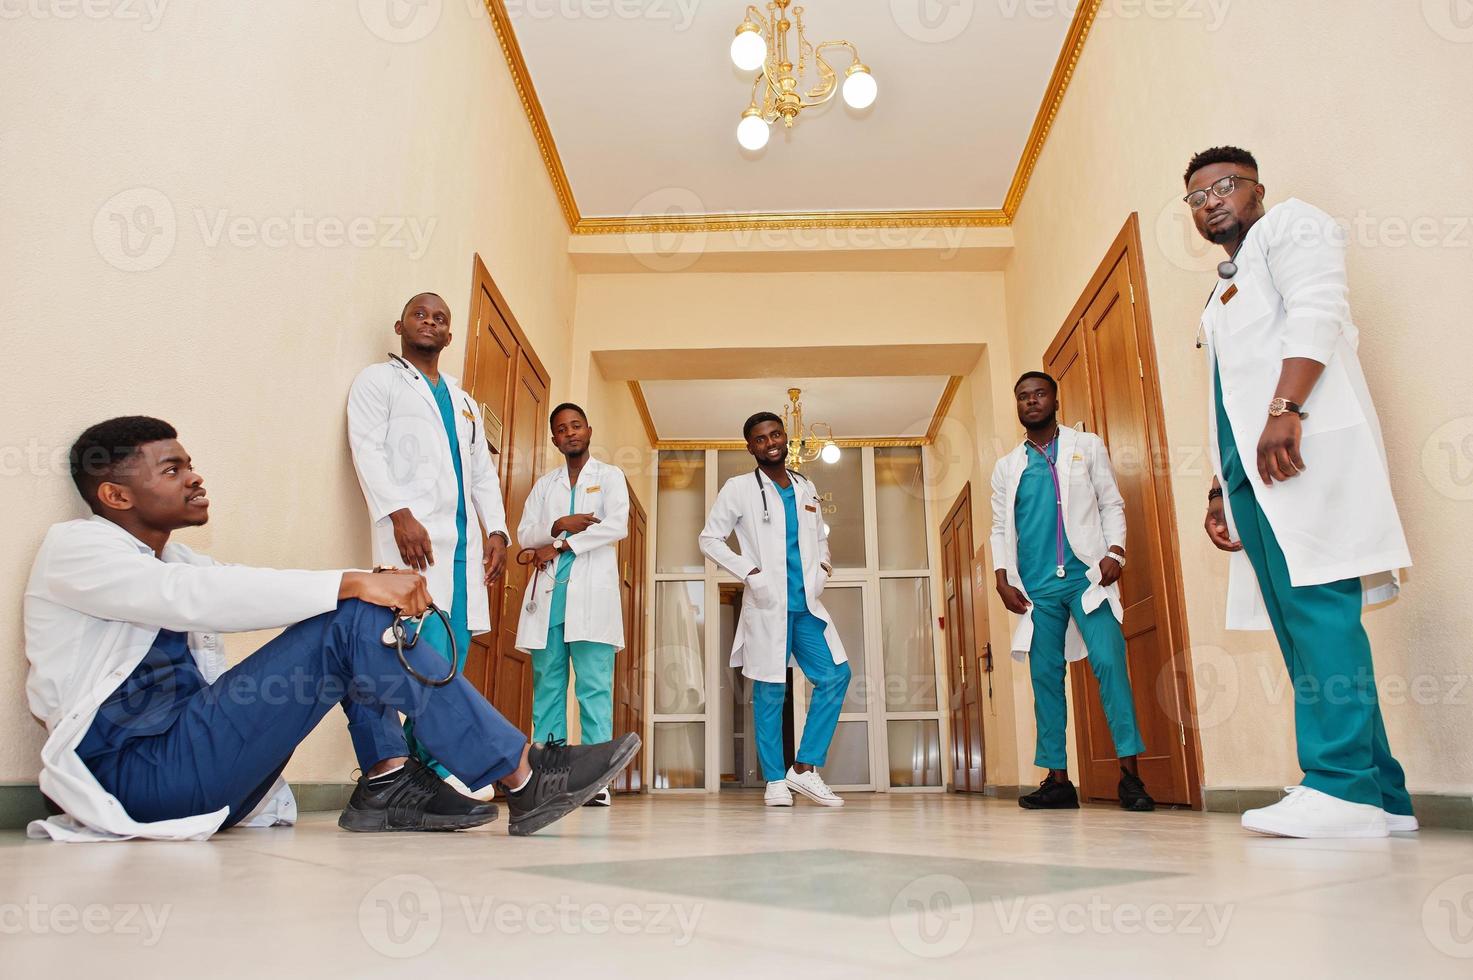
<point>20,803</point>
<point>1434,810</point>
<point>999,792</point>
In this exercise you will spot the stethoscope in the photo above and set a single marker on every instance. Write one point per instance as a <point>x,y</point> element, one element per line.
<point>762,489</point>
<point>469,408</point>
<point>1226,270</point>
<point>401,639</point>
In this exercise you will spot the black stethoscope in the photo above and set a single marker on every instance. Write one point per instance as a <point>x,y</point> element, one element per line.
<point>757,475</point>
<point>469,408</point>
<point>399,638</point>
<point>1225,271</point>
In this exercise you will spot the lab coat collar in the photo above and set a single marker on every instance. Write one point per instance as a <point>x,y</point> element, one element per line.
<point>415,379</point>
<point>590,468</point>
<point>121,531</point>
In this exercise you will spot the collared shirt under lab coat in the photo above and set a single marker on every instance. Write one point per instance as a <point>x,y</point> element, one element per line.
<point>403,460</point>
<point>1337,519</point>
<point>760,647</point>
<point>94,605</point>
<point>594,609</point>
<point>1094,520</point>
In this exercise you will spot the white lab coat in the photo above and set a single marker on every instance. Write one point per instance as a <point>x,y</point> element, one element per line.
<point>760,647</point>
<point>403,460</point>
<point>96,600</point>
<point>1337,519</point>
<point>1094,520</point>
<point>594,610</point>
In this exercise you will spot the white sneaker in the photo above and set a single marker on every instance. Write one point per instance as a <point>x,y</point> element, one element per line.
<point>777,794</point>
<point>602,798</point>
<point>1305,812</point>
<point>1398,823</point>
<point>485,794</point>
<point>811,785</point>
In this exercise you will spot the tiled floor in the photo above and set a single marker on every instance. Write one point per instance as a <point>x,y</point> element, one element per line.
<point>702,886</point>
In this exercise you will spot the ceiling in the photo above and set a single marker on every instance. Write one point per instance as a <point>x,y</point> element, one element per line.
<point>641,101</point>
<point>875,407</point>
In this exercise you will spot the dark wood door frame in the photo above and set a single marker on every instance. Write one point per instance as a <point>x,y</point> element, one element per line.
<point>964,665</point>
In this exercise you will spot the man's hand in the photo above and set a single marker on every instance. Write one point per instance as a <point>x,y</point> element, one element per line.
<point>495,559</point>
<point>1278,448</point>
<point>412,539</point>
<point>573,524</point>
<point>1110,570</point>
<point>1012,597</point>
<point>397,589</point>
<point>1217,528</point>
<point>546,553</point>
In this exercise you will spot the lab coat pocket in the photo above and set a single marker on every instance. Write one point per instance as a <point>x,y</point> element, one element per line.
<point>1250,305</point>
<point>1333,403</point>
<point>761,589</point>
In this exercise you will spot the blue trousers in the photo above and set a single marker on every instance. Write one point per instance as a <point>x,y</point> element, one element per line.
<point>235,736</point>
<point>830,683</point>
<point>593,672</point>
<point>432,631</point>
<point>1106,645</point>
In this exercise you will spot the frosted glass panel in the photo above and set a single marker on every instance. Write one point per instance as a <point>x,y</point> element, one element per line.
<point>900,507</point>
<point>681,512</point>
<point>680,755</point>
<point>680,652</point>
<point>905,632</point>
<point>915,753</point>
<point>848,762</point>
<point>846,605</point>
<point>841,487</point>
<point>733,462</point>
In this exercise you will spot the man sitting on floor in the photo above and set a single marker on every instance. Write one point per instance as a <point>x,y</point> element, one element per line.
<point>149,735</point>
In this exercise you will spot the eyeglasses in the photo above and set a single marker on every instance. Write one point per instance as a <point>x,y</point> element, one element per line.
<point>1223,187</point>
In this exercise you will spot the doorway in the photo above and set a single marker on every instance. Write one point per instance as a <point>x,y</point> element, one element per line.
<point>629,671</point>
<point>960,629</point>
<point>1104,360</point>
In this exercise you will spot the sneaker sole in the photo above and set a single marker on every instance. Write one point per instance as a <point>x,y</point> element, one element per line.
<point>1359,834</point>
<point>1140,806</point>
<point>1035,806</point>
<point>794,787</point>
<point>377,822</point>
<point>777,802</point>
<point>555,809</point>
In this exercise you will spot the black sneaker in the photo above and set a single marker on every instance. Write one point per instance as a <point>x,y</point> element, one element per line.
<point>1133,795</point>
<point>417,799</point>
<point>564,777</point>
<point>1051,795</point>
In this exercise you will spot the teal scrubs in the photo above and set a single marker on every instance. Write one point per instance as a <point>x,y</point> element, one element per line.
<point>1055,600</point>
<point>807,644</point>
<point>592,665</point>
<point>1341,738</point>
<point>433,630</point>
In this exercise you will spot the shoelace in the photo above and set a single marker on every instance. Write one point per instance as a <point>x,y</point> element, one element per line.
<point>554,757</point>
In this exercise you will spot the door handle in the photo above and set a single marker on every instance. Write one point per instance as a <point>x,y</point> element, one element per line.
<point>962,660</point>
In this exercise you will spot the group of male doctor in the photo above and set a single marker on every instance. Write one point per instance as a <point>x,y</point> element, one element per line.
<point>1300,498</point>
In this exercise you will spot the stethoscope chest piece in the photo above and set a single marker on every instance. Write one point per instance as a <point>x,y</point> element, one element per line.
<point>1227,269</point>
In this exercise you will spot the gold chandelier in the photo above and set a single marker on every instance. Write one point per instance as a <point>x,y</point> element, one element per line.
<point>762,45</point>
<point>804,446</point>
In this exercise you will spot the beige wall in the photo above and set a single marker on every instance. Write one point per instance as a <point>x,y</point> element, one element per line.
<point>235,113</point>
<point>1382,141</point>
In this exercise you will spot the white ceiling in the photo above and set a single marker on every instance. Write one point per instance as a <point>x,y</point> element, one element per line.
<point>855,407</point>
<point>643,101</point>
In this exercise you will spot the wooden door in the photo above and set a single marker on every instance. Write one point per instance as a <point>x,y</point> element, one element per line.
<point>959,630</point>
<point>629,665</point>
<point>504,375</point>
<point>1104,360</point>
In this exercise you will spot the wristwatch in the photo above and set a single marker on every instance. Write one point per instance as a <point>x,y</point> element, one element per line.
<point>560,545</point>
<point>1279,406</point>
<point>1117,556</point>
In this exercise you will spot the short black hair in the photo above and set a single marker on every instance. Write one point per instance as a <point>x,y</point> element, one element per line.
<point>565,406</point>
<point>102,448</point>
<point>757,420</point>
<point>1219,154</point>
<point>1053,385</point>
<point>405,308</point>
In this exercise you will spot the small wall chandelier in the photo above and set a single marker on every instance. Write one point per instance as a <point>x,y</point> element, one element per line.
<point>804,446</point>
<point>762,43</point>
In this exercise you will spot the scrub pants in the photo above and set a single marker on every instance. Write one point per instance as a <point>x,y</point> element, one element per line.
<point>235,736</point>
<point>593,665</point>
<point>1337,719</point>
<point>1106,645</point>
<point>830,682</point>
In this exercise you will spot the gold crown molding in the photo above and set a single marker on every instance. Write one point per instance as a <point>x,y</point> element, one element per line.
<point>1073,47</point>
<point>643,408</point>
<point>943,405</point>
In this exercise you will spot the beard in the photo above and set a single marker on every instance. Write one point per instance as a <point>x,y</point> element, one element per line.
<point>1047,422</point>
<point>1225,233</point>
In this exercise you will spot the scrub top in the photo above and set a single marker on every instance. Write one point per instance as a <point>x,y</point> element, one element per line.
<point>461,595</point>
<point>1037,516</point>
<point>797,599</point>
<point>557,612</point>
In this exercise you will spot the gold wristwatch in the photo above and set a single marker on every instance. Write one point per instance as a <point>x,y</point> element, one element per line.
<point>1279,406</point>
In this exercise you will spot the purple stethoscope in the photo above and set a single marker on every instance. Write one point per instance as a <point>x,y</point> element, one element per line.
<point>1053,470</point>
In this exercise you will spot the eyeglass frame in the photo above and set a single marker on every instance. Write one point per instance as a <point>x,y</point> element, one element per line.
<point>1213,188</point>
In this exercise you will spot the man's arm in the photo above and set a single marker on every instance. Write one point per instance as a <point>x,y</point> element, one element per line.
<point>485,483</point>
<point>1012,596</point>
<point>531,533</point>
<point>719,524</point>
<point>613,527</point>
<point>1107,492</point>
<point>368,429</point>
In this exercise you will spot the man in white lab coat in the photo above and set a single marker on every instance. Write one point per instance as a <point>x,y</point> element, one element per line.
<point>1058,544</point>
<point>783,565</point>
<point>574,519</point>
<point>150,736</point>
<point>428,478</point>
<point>1301,496</point>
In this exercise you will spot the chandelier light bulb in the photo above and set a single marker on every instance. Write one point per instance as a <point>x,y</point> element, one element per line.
<point>831,452</point>
<point>752,131</point>
<point>860,88</point>
<point>748,49</point>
